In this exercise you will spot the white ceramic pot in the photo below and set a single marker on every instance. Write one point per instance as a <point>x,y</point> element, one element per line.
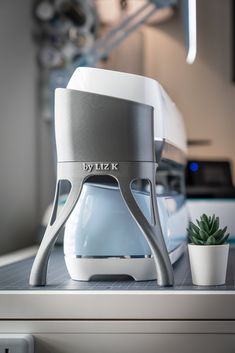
<point>208,264</point>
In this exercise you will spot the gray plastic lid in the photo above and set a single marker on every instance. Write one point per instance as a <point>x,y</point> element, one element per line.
<point>93,128</point>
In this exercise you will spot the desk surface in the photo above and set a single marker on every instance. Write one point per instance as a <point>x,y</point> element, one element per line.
<point>15,277</point>
<point>64,298</point>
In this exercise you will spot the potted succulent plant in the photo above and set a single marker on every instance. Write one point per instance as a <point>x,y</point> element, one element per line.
<point>208,251</point>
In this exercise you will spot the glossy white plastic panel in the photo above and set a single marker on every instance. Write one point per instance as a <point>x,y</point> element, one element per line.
<point>168,122</point>
<point>114,237</point>
<point>112,231</point>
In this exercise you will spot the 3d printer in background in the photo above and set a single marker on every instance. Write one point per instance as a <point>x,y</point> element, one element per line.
<point>210,190</point>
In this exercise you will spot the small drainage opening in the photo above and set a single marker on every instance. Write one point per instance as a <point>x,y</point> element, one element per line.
<point>111,278</point>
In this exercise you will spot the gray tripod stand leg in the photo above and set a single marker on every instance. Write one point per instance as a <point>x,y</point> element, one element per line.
<point>39,270</point>
<point>153,234</point>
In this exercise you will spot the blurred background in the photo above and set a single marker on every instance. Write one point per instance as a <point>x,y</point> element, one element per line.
<point>42,41</point>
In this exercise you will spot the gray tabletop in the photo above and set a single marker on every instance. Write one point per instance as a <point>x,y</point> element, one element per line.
<point>15,277</point>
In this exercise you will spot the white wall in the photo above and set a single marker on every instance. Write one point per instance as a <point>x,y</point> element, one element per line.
<point>128,56</point>
<point>18,138</point>
<point>204,91</point>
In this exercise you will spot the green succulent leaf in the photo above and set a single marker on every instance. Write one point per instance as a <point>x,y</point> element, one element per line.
<point>212,219</point>
<point>223,231</point>
<point>203,234</point>
<point>215,225</point>
<point>203,225</point>
<point>194,227</point>
<point>219,233</point>
<point>211,240</point>
<point>204,218</point>
<point>192,233</point>
<point>223,240</point>
<point>190,238</point>
<point>207,231</point>
<point>218,240</point>
<point>197,241</point>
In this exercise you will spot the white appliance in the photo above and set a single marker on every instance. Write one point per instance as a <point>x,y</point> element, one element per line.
<point>101,236</point>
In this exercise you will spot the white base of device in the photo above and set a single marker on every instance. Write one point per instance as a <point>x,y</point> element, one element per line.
<point>140,269</point>
<point>83,269</point>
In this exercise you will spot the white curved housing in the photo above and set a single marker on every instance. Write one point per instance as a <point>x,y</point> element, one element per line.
<point>168,122</point>
<point>86,259</point>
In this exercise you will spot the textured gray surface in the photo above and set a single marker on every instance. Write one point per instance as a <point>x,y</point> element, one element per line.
<point>92,127</point>
<point>16,276</point>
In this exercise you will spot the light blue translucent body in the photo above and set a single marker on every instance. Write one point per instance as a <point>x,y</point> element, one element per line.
<point>101,225</point>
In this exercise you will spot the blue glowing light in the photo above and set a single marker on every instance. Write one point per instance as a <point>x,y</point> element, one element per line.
<point>193,167</point>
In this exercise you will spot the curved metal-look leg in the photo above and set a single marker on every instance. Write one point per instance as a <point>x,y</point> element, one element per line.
<point>39,270</point>
<point>153,234</point>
